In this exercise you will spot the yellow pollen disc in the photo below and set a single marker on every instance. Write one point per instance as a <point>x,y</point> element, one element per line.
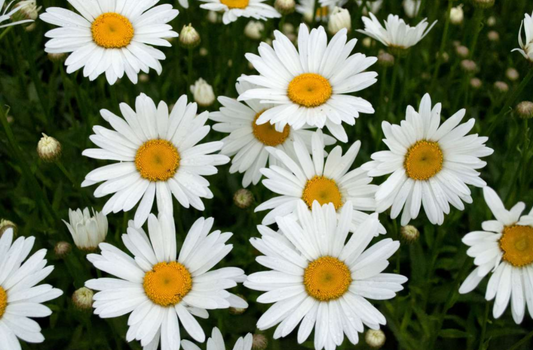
<point>323,190</point>
<point>327,278</point>
<point>157,160</point>
<point>322,11</point>
<point>112,31</point>
<point>309,90</point>
<point>235,4</point>
<point>517,245</point>
<point>167,283</point>
<point>3,302</point>
<point>423,160</point>
<point>267,134</point>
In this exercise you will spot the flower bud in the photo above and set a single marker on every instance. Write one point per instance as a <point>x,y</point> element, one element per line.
<point>409,233</point>
<point>501,86</point>
<point>189,37</point>
<point>287,29</point>
<point>144,78</point>
<point>469,66</point>
<point>493,35</point>
<point>57,57</point>
<point>212,17</point>
<point>237,310</point>
<point>457,14</point>
<point>475,83</point>
<point>203,52</point>
<point>512,74</point>
<point>243,198</point>
<point>375,338</point>
<point>491,21</point>
<point>483,4</point>
<point>525,110</point>
<point>27,9</point>
<point>445,57</point>
<point>367,42</point>
<point>83,299</point>
<point>62,249</point>
<point>339,19</point>
<point>203,93</point>
<point>259,342</point>
<point>385,59</point>
<point>411,7</point>
<point>87,231</point>
<point>285,7</point>
<point>48,148</point>
<point>254,30</point>
<point>462,51</point>
<point>6,225</point>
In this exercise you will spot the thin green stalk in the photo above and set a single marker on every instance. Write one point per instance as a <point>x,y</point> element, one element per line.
<point>314,13</point>
<point>509,101</point>
<point>393,86</point>
<point>4,33</point>
<point>26,171</point>
<point>478,18</point>
<point>66,173</point>
<point>484,326</point>
<point>189,73</point>
<point>522,341</point>
<point>525,157</point>
<point>442,45</point>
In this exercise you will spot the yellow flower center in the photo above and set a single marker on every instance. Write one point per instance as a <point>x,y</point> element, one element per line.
<point>322,11</point>
<point>327,278</point>
<point>267,134</point>
<point>323,190</point>
<point>517,245</point>
<point>157,160</point>
<point>235,4</point>
<point>3,302</point>
<point>112,31</point>
<point>423,160</point>
<point>167,283</point>
<point>309,90</point>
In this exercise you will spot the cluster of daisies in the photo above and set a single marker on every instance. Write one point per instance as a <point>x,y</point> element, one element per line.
<point>321,268</point>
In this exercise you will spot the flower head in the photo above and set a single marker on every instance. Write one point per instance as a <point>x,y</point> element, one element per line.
<point>7,13</point>
<point>234,9</point>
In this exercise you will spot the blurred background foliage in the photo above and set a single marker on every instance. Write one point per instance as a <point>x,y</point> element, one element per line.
<point>37,96</point>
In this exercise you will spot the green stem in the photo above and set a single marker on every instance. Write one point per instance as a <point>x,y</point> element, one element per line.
<point>484,326</point>
<point>442,44</point>
<point>522,341</point>
<point>26,171</point>
<point>509,101</point>
<point>478,18</point>
<point>189,73</point>
<point>525,157</point>
<point>393,86</point>
<point>4,33</point>
<point>66,173</point>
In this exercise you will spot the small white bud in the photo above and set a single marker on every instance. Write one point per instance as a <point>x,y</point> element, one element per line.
<point>512,74</point>
<point>457,15</point>
<point>375,338</point>
<point>189,37</point>
<point>254,30</point>
<point>203,93</point>
<point>525,110</point>
<point>48,148</point>
<point>475,83</point>
<point>409,233</point>
<point>83,298</point>
<point>285,7</point>
<point>339,19</point>
<point>212,17</point>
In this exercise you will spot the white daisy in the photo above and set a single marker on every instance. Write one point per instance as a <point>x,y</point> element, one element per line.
<point>248,141</point>
<point>307,8</point>
<point>20,298</point>
<point>526,48</point>
<point>322,279</point>
<point>160,288</point>
<point>505,248</point>
<point>9,11</point>
<point>216,342</point>
<point>310,86</point>
<point>234,9</point>
<point>158,157</point>
<point>308,178</point>
<point>396,34</point>
<point>111,36</point>
<point>431,165</point>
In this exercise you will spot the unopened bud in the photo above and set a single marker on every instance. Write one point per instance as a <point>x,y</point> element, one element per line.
<point>83,299</point>
<point>375,338</point>
<point>501,86</point>
<point>525,110</point>
<point>237,310</point>
<point>409,233</point>
<point>339,19</point>
<point>243,198</point>
<point>189,37</point>
<point>385,59</point>
<point>493,35</point>
<point>469,66</point>
<point>48,148</point>
<point>512,74</point>
<point>462,51</point>
<point>285,7</point>
<point>254,30</point>
<point>203,93</point>
<point>6,225</point>
<point>62,249</point>
<point>57,57</point>
<point>491,21</point>
<point>475,83</point>
<point>259,342</point>
<point>457,15</point>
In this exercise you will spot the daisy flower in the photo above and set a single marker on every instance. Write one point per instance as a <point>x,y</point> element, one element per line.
<point>158,157</point>
<point>309,86</point>
<point>307,8</point>
<point>8,12</point>
<point>20,298</point>
<point>112,36</point>
<point>397,34</point>
<point>160,288</point>
<point>526,48</point>
<point>248,141</point>
<point>322,279</point>
<point>431,164</point>
<point>505,248</point>
<point>309,178</point>
<point>234,9</point>
<point>216,342</point>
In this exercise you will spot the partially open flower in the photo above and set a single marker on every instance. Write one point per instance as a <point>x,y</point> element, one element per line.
<point>339,19</point>
<point>87,231</point>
